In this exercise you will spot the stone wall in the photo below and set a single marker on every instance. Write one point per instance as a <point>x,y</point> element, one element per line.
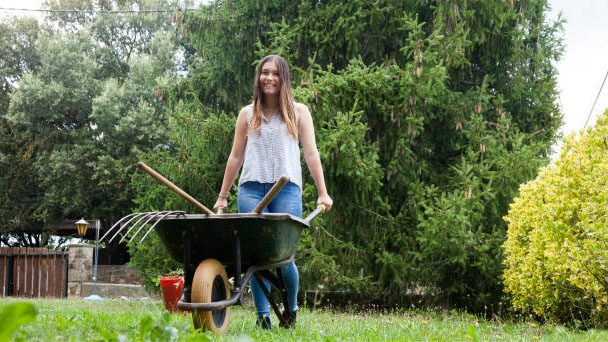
<point>80,262</point>
<point>107,290</point>
<point>117,274</point>
<point>80,267</point>
<point>113,281</point>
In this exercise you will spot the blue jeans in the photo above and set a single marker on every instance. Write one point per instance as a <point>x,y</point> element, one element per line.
<point>288,200</point>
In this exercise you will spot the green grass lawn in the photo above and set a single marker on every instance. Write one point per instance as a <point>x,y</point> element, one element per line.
<point>119,320</point>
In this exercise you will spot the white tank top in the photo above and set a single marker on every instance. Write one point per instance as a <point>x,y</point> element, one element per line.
<point>271,152</point>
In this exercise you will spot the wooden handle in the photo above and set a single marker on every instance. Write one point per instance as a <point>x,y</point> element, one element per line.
<point>320,209</point>
<point>174,187</point>
<point>270,195</point>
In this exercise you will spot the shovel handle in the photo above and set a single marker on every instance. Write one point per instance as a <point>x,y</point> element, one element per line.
<point>320,209</point>
<point>271,194</point>
<point>174,187</point>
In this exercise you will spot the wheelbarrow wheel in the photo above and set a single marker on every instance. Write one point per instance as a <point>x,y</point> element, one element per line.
<point>210,284</point>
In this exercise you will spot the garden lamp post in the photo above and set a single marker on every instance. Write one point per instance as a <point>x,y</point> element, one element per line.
<point>81,227</point>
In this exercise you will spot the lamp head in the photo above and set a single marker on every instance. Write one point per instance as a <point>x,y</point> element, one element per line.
<point>81,227</point>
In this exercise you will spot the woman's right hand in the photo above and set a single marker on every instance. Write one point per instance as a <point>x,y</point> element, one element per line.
<point>326,201</point>
<point>222,202</point>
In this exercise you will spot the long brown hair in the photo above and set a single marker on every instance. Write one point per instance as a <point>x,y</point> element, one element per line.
<point>285,98</point>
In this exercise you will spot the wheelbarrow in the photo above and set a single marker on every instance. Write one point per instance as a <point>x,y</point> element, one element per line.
<point>214,248</point>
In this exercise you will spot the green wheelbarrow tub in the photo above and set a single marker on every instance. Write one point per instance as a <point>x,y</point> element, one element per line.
<point>265,238</point>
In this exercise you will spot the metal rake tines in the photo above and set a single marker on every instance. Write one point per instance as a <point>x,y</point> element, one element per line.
<point>116,225</point>
<point>158,220</point>
<point>146,217</point>
<point>158,216</point>
<point>122,227</point>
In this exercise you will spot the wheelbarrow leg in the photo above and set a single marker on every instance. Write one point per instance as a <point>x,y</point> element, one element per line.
<point>238,283</point>
<point>237,262</point>
<point>276,282</point>
<point>188,274</point>
<point>274,306</point>
<point>286,319</point>
<point>282,288</point>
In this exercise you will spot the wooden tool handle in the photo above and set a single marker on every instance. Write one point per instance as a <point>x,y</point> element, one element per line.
<point>271,194</point>
<point>320,209</point>
<point>174,187</point>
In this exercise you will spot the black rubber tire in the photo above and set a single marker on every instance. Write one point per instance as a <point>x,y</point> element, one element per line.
<point>210,284</point>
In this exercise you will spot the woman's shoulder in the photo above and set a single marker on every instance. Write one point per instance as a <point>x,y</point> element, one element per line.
<point>301,109</point>
<point>299,106</point>
<point>247,110</point>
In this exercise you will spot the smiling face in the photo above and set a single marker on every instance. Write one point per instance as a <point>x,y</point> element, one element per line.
<point>270,80</point>
<point>272,84</point>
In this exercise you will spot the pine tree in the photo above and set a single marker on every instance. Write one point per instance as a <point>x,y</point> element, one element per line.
<point>428,114</point>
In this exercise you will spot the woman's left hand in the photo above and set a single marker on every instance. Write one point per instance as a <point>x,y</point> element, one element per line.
<point>326,201</point>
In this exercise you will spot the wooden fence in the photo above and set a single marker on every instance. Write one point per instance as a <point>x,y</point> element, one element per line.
<point>33,272</point>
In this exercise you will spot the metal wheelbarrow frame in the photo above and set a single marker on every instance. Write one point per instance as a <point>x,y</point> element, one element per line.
<point>255,242</point>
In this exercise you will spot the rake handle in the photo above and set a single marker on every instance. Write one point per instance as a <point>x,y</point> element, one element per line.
<point>174,187</point>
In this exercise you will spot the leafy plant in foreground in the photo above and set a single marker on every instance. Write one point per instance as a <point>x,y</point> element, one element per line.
<point>13,316</point>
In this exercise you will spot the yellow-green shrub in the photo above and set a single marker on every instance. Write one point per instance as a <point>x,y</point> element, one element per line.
<point>557,241</point>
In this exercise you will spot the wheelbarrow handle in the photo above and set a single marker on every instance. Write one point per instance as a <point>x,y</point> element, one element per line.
<point>271,194</point>
<point>174,187</point>
<point>320,209</point>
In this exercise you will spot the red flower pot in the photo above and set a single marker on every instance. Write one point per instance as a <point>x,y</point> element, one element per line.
<point>171,288</point>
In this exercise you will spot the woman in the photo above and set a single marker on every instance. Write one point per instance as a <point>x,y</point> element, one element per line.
<point>266,145</point>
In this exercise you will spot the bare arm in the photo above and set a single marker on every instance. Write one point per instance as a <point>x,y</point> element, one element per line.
<point>235,160</point>
<point>306,131</point>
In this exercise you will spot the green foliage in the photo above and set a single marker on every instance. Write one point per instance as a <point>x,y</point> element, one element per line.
<point>18,182</point>
<point>556,250</point>
<point>14,316</point>
<point>194,160</point>
<point>86,104</point>
<point>163,331</point>
<point>152,261</point>
<point>427,227</point>
<point>428,116</point>
<point>17,37</point>
<point>120,320</point>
